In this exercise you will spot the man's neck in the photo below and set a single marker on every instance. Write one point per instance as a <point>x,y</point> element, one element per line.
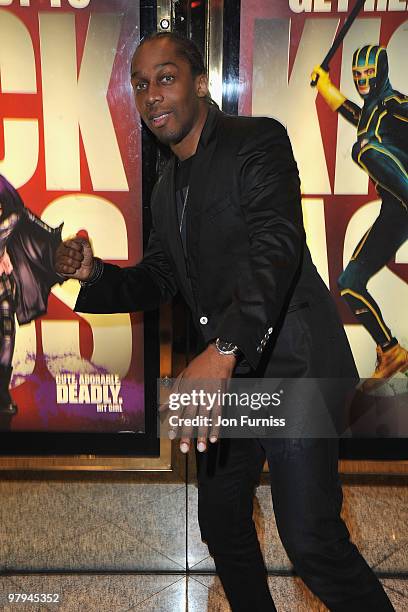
<point>188,146</point>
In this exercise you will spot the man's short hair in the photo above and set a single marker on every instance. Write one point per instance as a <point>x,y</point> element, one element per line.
<point>187,49</point>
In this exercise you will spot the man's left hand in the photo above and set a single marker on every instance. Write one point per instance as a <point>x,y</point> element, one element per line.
<point>208,373</point>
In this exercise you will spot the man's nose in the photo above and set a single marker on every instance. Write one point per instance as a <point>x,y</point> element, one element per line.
<point>153,95</point>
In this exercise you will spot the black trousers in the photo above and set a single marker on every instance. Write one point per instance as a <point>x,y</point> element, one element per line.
<point>307,499</point>
<point>306,491</point>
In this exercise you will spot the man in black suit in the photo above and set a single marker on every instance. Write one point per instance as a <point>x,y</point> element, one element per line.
<point>228,233</point>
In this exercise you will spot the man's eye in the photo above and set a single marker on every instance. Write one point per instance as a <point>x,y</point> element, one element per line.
<point>370,71</point>
<point>167,78</point>
<point>140,86</point>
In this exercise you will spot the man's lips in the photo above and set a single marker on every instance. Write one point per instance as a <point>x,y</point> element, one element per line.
<point>159,119</point>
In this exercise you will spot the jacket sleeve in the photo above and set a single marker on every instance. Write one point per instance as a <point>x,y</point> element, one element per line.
<point>350,111</point>
<point>270,201</point>
<point>141,287</point>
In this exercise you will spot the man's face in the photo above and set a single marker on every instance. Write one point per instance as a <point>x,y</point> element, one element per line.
<point>166,94</point>
<point>362,76</point>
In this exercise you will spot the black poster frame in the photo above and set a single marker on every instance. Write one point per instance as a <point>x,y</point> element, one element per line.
<point>146,444</point>
<point>192,23</point>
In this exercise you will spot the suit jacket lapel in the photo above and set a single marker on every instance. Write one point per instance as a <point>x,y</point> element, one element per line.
<point>199,184</point>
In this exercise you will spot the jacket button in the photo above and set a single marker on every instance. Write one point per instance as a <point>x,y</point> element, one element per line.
<point>203,320</point>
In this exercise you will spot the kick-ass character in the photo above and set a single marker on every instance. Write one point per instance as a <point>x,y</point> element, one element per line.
<point>381,151</point>
<point>27,247</point>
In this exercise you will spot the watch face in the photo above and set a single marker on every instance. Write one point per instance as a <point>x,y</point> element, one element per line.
<point>226,347</point>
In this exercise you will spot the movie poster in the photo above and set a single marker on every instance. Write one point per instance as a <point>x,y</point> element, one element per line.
<point>69,162</point>
<point>352,160</point>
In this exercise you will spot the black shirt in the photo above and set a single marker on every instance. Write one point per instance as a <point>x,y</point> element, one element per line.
<point>182,181</point>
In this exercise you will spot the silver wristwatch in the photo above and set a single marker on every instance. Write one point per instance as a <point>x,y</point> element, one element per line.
<point>227,348</point>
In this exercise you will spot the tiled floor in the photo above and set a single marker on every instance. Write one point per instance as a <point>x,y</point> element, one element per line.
<point>158,593</point>
<point>92,525</point>
<point>122,526</point>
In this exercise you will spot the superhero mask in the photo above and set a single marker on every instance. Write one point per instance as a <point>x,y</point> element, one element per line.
<point>370,71</point>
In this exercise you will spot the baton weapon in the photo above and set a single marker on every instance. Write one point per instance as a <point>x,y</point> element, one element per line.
<point>339,38</point>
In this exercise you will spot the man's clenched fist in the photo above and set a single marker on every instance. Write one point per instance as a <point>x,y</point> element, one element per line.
<point>74,258</point>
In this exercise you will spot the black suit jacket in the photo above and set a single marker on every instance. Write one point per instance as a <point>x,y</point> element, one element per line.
<point>248,263</point>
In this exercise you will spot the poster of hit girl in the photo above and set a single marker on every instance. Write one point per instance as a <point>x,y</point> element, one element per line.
<point>69,161</point>
<point>350,139</point>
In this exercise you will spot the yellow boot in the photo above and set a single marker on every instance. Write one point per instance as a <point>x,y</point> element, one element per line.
<point>388,363</point>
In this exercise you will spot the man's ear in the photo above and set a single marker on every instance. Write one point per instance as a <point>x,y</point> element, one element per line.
<point>202,85</point>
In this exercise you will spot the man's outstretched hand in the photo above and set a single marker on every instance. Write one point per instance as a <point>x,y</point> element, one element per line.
<point>208,373</point>
<point>74,258</point>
